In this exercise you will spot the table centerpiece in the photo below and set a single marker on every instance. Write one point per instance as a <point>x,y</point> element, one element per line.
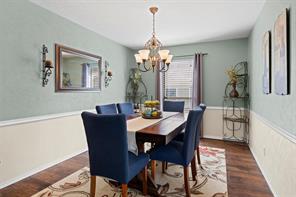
<point>151,110</point>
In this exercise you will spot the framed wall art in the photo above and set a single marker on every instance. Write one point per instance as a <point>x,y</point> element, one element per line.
<point>266,56</point>
<point>281,53</point>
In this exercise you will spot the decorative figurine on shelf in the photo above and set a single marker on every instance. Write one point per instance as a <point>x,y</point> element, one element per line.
<point>151,110</point>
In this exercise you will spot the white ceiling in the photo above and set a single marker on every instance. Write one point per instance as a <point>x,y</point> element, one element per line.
<point>129,22</point>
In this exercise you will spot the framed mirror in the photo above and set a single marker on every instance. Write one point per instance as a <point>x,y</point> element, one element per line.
<point>77,70</point>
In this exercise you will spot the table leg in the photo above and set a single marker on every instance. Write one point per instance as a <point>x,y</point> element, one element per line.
<point>153,169</point>
<point>144,181</point>
<point>163,166</point>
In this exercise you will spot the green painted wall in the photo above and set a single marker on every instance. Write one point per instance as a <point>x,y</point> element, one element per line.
<point>221,54</point>
<point>280,110</point>
<point>24,28</point>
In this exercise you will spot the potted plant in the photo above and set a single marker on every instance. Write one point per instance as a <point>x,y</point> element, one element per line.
<point>135,78</point>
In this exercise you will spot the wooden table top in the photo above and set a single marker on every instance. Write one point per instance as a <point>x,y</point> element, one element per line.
<point>162,132</point>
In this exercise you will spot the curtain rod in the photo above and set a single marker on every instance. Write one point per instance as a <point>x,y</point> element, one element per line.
<point>189,55</point>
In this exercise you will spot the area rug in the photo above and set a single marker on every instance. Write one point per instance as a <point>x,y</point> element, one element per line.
<point>211,180</point>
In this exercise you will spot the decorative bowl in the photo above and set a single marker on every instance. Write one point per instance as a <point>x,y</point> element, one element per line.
<point>154,114</point>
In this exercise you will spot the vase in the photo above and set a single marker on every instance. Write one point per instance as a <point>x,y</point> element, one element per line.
<point>234,92</point>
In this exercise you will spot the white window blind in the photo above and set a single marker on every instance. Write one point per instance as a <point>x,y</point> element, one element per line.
<point>178,82</point>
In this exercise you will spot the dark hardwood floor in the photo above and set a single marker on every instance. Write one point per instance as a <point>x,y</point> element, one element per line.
<point>243,175</point>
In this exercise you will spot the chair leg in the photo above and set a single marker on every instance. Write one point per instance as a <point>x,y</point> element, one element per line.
<point>145,181</point>
<point>166,165</point>
<point>163,166</point>
<point>198,155</point>
<point>93,186</point>
<point>124,190</point>
<point>186,181</point>
<point>193,168</point>
<point>153,168</point>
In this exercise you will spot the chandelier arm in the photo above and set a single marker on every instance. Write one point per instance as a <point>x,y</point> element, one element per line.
<point>164,68</point>
<point>141,69</point>
<point>149,68</point>
<point>159,66</point>
<point>144,66</point>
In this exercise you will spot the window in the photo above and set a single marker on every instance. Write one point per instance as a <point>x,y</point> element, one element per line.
<point>176,83</point>
<point>170,92</point>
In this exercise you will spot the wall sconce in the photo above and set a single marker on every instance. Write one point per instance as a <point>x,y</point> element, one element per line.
<point>46,66</point>
<point>108,74</point>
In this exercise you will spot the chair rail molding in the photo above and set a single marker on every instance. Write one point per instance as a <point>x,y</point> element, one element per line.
<point>41,118</point>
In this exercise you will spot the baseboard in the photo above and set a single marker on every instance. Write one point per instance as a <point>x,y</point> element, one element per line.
<point>212,137</point>
<point>39,169</point>
<point>263,173</point>
<point>214,107</point>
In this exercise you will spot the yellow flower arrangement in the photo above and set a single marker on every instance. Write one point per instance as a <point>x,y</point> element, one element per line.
<point>232,74</point>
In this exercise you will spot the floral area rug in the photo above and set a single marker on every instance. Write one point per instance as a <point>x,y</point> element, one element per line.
<point>211,180</point>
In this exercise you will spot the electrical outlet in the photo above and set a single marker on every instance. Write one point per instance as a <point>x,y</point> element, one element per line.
<point>264,151</point>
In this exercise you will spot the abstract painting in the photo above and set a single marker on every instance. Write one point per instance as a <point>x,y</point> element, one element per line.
<point>266,55</point>
<point>281,54</point>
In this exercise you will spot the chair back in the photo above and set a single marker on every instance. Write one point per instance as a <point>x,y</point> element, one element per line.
<point>106,109</point>
<point>107,145</point>
<point>125,108</point>
<point>193,120</point>
<point>203,108</point>
<point>173,106</point>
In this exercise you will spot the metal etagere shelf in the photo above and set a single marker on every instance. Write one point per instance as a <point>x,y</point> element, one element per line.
<point>236,109</point>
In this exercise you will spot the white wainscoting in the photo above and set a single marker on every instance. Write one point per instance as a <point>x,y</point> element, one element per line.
<point>212,123</point>
<point>30,145</point>
<point>273,148</point>
<point>275,153</point>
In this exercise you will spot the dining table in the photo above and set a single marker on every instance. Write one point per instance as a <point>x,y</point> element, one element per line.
<point>157,132</point>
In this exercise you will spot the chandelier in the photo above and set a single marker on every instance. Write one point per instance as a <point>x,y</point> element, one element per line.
<point>152,56</point>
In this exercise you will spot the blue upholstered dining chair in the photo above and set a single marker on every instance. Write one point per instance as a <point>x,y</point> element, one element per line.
<point>106,109</point>
<point>125,108</point>
<point>180,137</point>
<point>108,151</point>
<point>173,106</point>
<point>180,153</point>
<point>203,108</point>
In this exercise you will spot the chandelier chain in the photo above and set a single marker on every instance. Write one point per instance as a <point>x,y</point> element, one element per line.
<point>153,24</point>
